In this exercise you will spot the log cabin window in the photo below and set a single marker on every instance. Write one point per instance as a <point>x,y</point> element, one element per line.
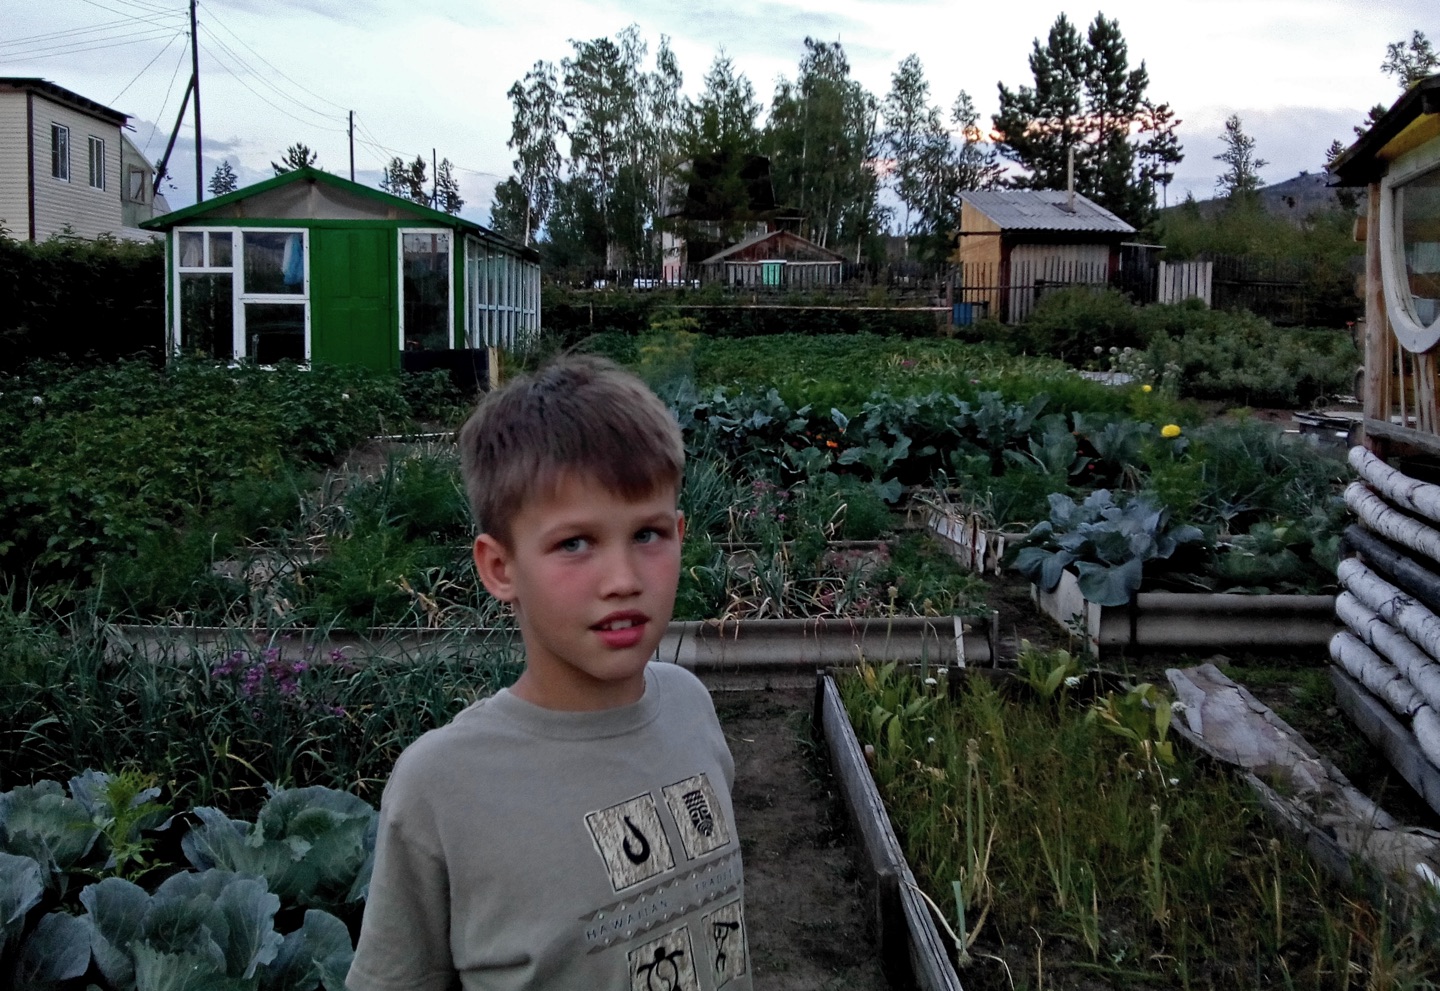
<point>1417,205</point>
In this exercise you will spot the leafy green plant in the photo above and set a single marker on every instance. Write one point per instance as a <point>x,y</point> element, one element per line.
<point>209,929</point>
<point>41,822</point>
<point>313,846</point>
<point>1140,716</point>
<point>123,806</point>
<point>1048,672</point>
<point>1107,543</point>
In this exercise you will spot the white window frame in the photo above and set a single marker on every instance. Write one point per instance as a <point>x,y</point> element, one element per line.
<point>59,151</point>
<point>1414,336</point>
<point>236,270</point>
<point>97,162</point>
<point>498,308</point>
<point>400,281</point>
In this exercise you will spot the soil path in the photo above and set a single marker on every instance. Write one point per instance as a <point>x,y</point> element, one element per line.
<point>807,916</point>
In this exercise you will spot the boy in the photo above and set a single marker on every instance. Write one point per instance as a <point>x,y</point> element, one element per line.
<point>574,830</point>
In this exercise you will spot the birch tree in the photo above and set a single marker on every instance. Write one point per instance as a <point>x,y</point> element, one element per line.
<point>535,128</point>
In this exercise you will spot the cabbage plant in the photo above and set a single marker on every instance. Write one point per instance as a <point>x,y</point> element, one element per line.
<point>213,929</point>
<point>41,822</point>
<point>1105,542</point>
<point>313,846</point>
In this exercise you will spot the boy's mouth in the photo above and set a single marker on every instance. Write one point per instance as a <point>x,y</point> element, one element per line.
<point>621,629</point>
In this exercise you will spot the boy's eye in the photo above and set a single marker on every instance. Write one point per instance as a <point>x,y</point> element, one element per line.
<point>572,545</point>
<point>647,536</point>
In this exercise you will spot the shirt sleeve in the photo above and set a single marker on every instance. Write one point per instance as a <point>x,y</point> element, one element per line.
<point>404,940</point>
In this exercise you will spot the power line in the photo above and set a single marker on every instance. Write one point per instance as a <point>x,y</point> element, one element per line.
<point>260,96</point>
<point>91,46</point>
<point>177,34</point>
<point>169,90</point>
<point>55,35</point>
<point>136,17</point>
<point>280,72</point>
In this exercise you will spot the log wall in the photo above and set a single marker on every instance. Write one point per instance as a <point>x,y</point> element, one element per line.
<point>1390,609</point>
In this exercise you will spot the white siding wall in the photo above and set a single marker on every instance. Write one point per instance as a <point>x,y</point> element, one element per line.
<point>14,215</point>
<point>90,212</point>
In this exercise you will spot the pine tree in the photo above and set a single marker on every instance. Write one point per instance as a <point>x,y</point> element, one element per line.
<point>408,181</point>
<point>1409,62</point>
<point>1087,98</point>
<point>297,156</point>
<point>1241,177</point>
<point>447,189</point>
<point>223,180</point>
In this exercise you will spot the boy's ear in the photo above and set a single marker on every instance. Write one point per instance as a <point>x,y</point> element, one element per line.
<point>680,525</point>
<point>492,561</point>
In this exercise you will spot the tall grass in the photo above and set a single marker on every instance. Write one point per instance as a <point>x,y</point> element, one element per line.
<point>217,725</point>
<point>1083,856</point>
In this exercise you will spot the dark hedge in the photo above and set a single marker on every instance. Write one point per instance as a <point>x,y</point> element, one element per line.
<point>72,300</point>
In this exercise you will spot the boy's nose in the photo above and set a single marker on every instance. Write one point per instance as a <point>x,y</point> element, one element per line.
<point>622,575</point>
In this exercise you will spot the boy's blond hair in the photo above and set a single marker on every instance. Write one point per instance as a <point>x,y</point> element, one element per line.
<point>579,414</point>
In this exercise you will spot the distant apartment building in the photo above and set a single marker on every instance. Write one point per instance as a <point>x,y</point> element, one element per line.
<point>66,165</point>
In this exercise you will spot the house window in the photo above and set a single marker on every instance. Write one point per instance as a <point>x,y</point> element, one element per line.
<point>97,162</point>
<point>135,185</point>
<point>1410,247</point>
<point>243,294</point>
<point>60,151</point>
<point>425,309</point>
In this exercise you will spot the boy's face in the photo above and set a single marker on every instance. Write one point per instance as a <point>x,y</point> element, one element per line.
<point>591,576</point>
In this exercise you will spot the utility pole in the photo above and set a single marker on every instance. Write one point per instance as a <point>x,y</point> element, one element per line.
<point>352,146</point>
<point>195,82</point>
<point>434,181</point>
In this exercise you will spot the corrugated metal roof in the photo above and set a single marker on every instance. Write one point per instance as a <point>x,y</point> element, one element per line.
<point>1044,210</point>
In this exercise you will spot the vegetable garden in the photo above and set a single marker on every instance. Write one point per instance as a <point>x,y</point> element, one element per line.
<point>206,496</point>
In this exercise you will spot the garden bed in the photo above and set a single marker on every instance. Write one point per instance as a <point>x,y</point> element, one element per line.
<point>1079,929</point>
<point>1221,621</point>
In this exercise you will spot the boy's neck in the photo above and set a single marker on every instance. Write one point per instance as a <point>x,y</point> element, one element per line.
<point>561,696</point>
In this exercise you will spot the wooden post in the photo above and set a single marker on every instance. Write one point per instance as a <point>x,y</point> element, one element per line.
<point>1379,364</point>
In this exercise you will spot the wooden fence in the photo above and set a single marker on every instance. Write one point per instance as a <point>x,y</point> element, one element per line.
<point>1177,281</point>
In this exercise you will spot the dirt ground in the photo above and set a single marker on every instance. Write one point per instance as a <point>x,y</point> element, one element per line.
<point>808,919</point>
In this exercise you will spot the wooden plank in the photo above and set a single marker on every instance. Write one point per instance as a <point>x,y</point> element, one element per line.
<point>902,937</point>
<point>1394,433</point>
<point>1393,739</point>
<point>1377,330</point>
<point>929,952</point>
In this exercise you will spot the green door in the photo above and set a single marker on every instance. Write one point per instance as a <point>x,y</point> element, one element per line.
<point>353,314</point>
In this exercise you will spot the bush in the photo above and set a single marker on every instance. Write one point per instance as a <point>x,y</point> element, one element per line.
<point>1071,323</point>
<point>81,300</point>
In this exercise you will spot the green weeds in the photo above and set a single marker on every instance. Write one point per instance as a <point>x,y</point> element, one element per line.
<point>1080,847</point>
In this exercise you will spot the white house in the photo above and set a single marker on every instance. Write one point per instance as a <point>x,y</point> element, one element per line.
<point>65,162</point>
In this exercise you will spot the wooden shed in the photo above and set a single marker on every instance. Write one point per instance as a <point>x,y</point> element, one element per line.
<point>308,266</point>
<point>775,258</point>
<point>1387,658</point>
<point>1015,244</point>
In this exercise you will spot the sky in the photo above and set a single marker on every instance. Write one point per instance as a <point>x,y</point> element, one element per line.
<point>433,74</point>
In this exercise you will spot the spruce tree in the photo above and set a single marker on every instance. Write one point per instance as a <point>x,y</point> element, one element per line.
<point>223,180</point>
<point>1087,97</point>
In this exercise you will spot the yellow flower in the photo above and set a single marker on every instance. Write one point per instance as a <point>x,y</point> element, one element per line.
<point>1170,431</point>
<point>1146,387</point>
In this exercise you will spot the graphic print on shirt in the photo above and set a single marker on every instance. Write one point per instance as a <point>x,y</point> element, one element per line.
<point>725,930</point>
<point>631,840</point>
<point>666,963</point>
<point>696,811</point>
